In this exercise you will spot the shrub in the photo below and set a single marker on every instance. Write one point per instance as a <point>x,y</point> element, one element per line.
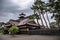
<point>13,30</point>
<point>1,31</point>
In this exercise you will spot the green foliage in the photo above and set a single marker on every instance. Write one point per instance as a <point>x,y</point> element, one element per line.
<point>34,16</point>
<point>14,29</point>
<point>54,8</point>
<point>53,25</point>
<point>2,23</point>
<point>1,30</point>
<point>38,5</point>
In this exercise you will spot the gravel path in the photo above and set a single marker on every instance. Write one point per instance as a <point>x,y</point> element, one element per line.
<point>29,37</point>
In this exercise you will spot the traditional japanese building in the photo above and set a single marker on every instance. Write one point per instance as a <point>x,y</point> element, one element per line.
<point>24,23</point>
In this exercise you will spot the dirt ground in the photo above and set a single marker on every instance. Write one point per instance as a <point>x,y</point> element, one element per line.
<point>29,37</point>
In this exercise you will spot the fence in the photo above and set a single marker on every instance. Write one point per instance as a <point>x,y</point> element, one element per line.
<point>45,32</point>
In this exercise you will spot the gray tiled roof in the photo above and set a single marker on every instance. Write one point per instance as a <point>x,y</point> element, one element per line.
<point>23,22</point>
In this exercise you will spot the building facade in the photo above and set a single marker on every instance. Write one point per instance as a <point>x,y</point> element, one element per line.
<point>24,23</point>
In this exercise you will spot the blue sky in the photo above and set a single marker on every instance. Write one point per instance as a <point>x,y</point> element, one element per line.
<point>10,9</point>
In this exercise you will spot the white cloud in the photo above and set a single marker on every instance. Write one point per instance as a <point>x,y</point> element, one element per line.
<point>11,9</point>
<point>45,1</point>
<point>24,4</point>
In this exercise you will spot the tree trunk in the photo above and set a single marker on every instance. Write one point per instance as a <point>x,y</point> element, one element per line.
<point>45,20</point>
<point>37,20</point>
<point>34,13</point>
<point>41,19</point>
<point>48,19</point>
<point>38,23</point>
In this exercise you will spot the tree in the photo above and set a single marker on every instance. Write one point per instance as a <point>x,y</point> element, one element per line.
<point>53,25</point>
<point>54,7</point>
<point>35,16</point>
<point>2,23</point>
<point>40,8</point>
<point>1,30</point>
<point>35,8</point>
<point>13,30</point>
<point>47,12</point>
